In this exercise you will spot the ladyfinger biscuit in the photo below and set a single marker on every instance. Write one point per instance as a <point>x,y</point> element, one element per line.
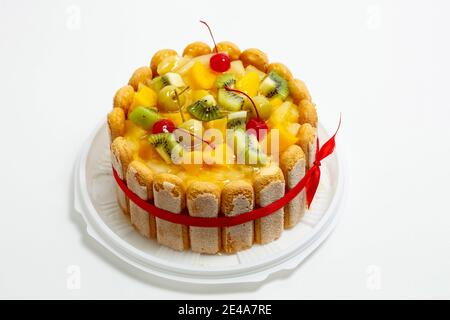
<point>292,163</point>
<point>237,198</point>
<point>307,112</point>
<point>116,123</point>
<point>203,200</point>
<point>139,179</point>
<point>269,186</point>
<point>169,194</point>
<point>121,156</point>
<point>307,140</point>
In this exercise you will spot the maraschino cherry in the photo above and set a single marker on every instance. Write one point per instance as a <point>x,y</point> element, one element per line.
<point>163,126</point>
<point>257,124</point>
<point>220,62</point>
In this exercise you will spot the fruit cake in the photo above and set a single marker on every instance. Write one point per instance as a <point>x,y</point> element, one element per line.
<point>212,132</point>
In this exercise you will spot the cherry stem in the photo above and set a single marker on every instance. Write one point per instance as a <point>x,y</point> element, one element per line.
<point>177,95</point>
<point>251,100</point>
<point>210,32</point>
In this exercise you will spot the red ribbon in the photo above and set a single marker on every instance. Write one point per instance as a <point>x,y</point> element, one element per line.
<point>310,181</point>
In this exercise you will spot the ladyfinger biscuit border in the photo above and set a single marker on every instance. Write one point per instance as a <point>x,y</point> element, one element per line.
<point>292,163</point>
<point>237,197</point>
<point>269,186</point>
<point>169,194</point>
<point>203,200</point>
<point>121,156</point>
<point>139,179</point>
<point>308,142</point>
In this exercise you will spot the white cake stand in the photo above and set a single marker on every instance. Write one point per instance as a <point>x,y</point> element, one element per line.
<point>95,201</point>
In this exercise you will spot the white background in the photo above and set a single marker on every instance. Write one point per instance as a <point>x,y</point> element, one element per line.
<point>383,64</point>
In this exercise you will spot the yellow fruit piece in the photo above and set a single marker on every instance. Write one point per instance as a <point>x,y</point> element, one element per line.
<point>286,138</point>
<point>198,94</point>
<point>276,102</point>
<point>237,68</point>
<point>133,132</point>
<point>144,97</point>
<point>147,151</point>
<point>219,124</point>
<point>286,112</point>
<point>201,76</point>
<point>168,64</point>
<point>175,117</point>
<point>249,83</point>
<point>293,127</point>
<point>261,74</point>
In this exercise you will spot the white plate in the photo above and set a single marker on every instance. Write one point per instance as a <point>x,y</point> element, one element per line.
<point>95,201</point>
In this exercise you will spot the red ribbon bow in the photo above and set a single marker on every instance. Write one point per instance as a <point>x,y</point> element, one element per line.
<point>310,182</point>
<point>313,173</point>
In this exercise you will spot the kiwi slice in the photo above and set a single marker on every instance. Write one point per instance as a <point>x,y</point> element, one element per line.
<point>274,85</point>
<point>248,150</point>
<point>237,120</point>
<point>205,109</point>
<point>144,117</point>
<point>226,80</point>
<point>229,100</point>
<point>253,153</point>
<point>167,79</point>
<point>166,145</point>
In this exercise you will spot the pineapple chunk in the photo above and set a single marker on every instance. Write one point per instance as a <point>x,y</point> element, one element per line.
<point>249,83</point>
<point>237,68</point>
<point>201,76</point>
<point>144,97</point>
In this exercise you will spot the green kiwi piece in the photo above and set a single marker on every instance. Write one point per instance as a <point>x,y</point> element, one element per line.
<point>237,120</point>
<point>205,109</point>
<point>247,148</point>
<point>226,80</point>
<point>229,100</point>
<point>144,117</point>
<point>253,153</point>
<point>274,85</point>
<point>165,144</point>
<point>167,79</point>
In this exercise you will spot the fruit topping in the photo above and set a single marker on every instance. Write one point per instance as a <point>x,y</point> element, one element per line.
<point>255,125</point>
<point>205,109</point>
<point>248,150</point>
<point>249,83</point>
<point>170,63</point>
<point>226,80</point>
<point>144,97</point>
<point>201,76</point>
<point>274,85</point>
<point>144,117</point>
<point>167,79</point>
<point>166,145</point>
<point>163,126</point>
<point>262,105</point>
<point>170,99</point>
<point>237,120</point>
<point>195,129</point>
<point>258,126</point>
<point>220,62</point>
<point>230,100</point>
<point>237,68</point>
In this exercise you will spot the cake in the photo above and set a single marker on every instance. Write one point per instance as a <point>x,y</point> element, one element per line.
<point>165,129</point>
